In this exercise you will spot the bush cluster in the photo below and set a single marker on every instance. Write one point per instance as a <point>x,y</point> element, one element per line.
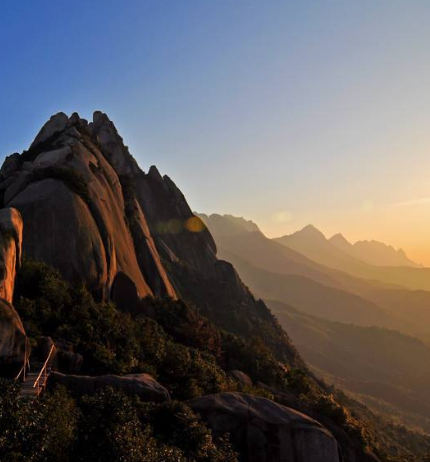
<point>106,427</point>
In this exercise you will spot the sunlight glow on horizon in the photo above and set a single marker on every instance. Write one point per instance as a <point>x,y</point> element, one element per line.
<point>286,113</point>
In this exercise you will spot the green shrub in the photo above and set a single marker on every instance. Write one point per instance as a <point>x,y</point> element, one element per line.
<point>114,427</point>
<point>253,358</point>
<point>112,341</point>
<point>175,424</point>
<point>39,431</point>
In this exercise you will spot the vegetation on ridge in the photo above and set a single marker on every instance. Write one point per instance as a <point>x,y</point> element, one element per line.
<point>188,354</point>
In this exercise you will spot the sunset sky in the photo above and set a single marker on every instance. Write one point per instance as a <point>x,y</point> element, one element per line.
<point>285,112</point>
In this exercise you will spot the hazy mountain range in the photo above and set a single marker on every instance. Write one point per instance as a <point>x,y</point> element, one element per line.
<point>356,332</point>
<point>373,252</point>
<point>313,244</point>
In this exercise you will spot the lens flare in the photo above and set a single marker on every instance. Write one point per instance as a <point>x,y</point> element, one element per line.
<point>194,225</point>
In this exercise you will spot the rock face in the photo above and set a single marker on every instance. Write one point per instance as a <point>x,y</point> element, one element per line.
<point>265,431</point>
<point>142,385</point>
<point>81,216</point>
<point>13,341</point>
<point>10,250</point>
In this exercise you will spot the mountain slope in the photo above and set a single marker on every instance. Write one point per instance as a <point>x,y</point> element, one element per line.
<point>312,297</point>
<point>377,363</point>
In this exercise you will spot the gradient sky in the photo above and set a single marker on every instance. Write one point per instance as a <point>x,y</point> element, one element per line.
<point>285,112</point>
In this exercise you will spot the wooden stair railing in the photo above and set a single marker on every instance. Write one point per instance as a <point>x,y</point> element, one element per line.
<point>44,373</point>
<point>22,374</point>
<point>36,381</point>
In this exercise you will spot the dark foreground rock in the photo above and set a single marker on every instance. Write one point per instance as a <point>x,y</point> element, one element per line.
<point>142,385</point>
<point>265,431</point>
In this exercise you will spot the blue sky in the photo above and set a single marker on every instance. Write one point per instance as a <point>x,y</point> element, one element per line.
<point>286,112</point>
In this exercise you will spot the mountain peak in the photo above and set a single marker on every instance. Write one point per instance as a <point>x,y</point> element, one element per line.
<point>56,124</point>
<point>247,225</point>
<point>154,173</point>
<point>311,231</point>
<point>339,241</point>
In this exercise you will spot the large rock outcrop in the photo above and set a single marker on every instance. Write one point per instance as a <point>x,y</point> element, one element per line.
<point>142,385</point>
<point>79,216</point>
<point>265,431</point>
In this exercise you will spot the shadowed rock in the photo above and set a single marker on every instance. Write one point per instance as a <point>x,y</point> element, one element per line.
<point>142,385</point>
<point>55,124</point>
<point>241,377</point>
<point>265,431</point>
<point>12,336</point>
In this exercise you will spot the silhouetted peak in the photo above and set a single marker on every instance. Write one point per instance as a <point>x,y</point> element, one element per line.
<point>248,225</point>
<point>76,120</point>
<point>311,232</point>
<point>106,134</point>
<point>56,124</point>
<point>154,173</point>
<point>340,241</point>
<point>228,224</point>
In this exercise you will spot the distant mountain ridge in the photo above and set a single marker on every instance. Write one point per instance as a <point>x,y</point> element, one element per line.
<point>229,223</point>
<point>373,252</point>
<point>312,243</point>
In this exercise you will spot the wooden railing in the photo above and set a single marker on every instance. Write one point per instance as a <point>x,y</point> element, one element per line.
<point>22,374</point>
<point>42,378</point>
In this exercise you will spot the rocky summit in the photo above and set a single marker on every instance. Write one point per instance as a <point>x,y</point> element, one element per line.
<point>75,190</point>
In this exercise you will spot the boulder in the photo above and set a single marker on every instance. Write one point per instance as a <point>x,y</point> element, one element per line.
<point>55,124</point>
<point>142,385</point>
<point>13,341</point>
<point>264,431</point>
<point>241,377</point>
<point>66,359</point>
<point>10,250</point>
